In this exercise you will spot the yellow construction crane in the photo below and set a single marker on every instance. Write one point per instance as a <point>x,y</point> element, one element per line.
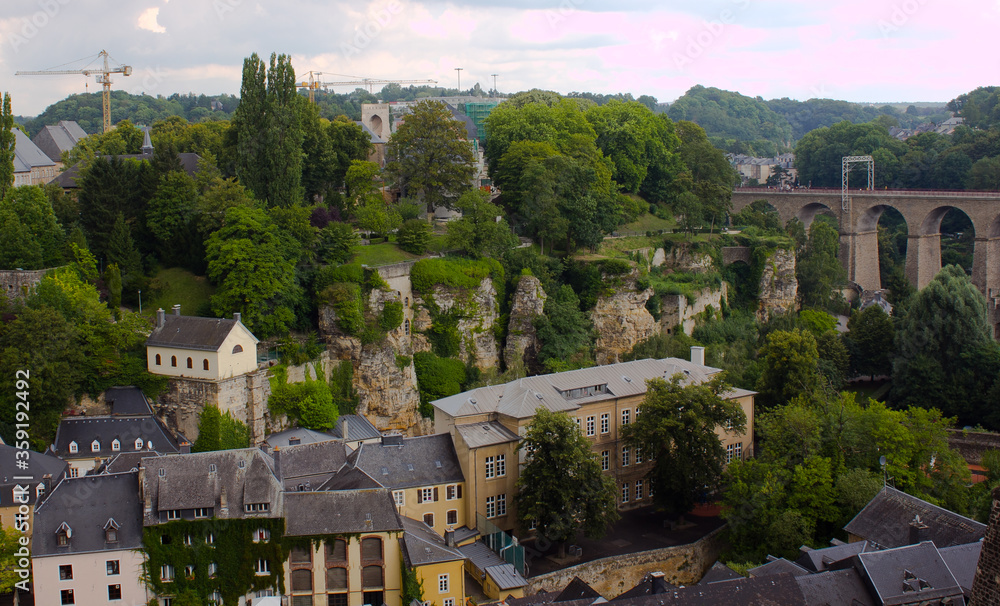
<point>103,76</point>
<point>313,83</point>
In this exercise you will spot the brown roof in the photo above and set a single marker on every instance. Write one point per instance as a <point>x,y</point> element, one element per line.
<point>191,332</point>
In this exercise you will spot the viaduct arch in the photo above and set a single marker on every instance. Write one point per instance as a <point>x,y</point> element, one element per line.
<point>922,210</point>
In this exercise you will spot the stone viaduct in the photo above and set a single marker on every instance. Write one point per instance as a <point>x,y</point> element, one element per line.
<point>922,210</point>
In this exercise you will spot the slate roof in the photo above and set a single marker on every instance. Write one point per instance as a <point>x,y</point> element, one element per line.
<point>55,139</point>
<point>348,511</point>
<point>106,429</point>
<point>834,588</point>
<point>303,435</point>
<point>962,561</point>
<point>372,137</point>
<point>417,461</point>
<point>86,505</point>
<point>27,155</point>
<point>544,597</point>
<point>719,572</point>
<point>422,545</point>
<point>38,465</point>
<point>486,433</point>
<point>358,426</point>
<point>350,478</point>
<point>577,589</point>
<point>67,179</point>
<point>188,481</point>
<point>521,398</point>
<point>313,463</point>
<point>192,332</point>
<point>773,590</point>
<point>818,560</point>
<point>777,566</point>
<point>885,520</point>
<point>914,573</point>
<point>127,401</point>
<point>485,559</point>
<point>124,461</point>
<point>651,584</point>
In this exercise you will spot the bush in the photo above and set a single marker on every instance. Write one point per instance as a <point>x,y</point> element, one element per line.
<point>309,403</point>
<point>437,378</point>
<point>391,317</point>
<point>454,272</point>
<point>616,267</point>
<point>345,299</point>
<point>411,210</point>
<point>414,236</point>
<point>331,274</point>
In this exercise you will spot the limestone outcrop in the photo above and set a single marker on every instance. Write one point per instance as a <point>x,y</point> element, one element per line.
<point>778,286</point>
<point>527,304</point>
<point>477,311</point>
<point>620,318</point>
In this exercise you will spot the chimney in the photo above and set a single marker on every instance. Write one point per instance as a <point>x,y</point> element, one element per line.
<point>449,537</point>
<point>277,462</point>
<point>160,317</point>
<point>918,531</point>
<point>185,447</point>
<point>698,355</point>
<point>343,430</point>
<point>223,503</point>
<point>177,309</point>
<point>237,316</point>
<point>294,441</point>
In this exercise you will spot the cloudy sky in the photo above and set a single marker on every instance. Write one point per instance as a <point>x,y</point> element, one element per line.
<point>858,50</point>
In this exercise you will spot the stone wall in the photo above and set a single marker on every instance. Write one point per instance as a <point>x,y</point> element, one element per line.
<point>732,254</point>
<point>621,319</point>
<point>778,286</point>
<point>527,304</point>
<point>972,444</point>
<point>16,283</point>
<point>243,396</point>
<point>676,310</point>
<point>611,576</point>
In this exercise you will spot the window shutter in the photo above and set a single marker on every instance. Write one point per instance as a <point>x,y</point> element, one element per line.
<point>435,493</point>
<point>420,495</point>
<point>371,576</point>
<point>459,491</point>
<point>336,578</point>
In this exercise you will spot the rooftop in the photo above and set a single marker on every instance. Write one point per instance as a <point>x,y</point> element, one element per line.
<point>402,462</point>
<point>886,519</point>
<point>341,512</point>
<point>145,430</point>
<point>424,546</point>
<point>191,332</point>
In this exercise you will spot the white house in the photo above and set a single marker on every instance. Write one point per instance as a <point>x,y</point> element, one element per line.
<point>200,348</point>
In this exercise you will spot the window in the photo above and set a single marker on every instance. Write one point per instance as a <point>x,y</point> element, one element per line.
<point>166,573</point>
<point>256,507</point>
<point>210,538</point>
<point>158,360</point>
<point>262,567</point>
<point>449,602</point>
<point>426,494</point>
<point>173,361</point>
<point>187,539</point>
<point>190,363</point>
<point>66,572</point>
<point>501,505</point>
<point>95,446</point>
<point>302,600</point>
<point>237,348</point>
<point>605,423</point>
<point>372,597</point>
<point>336,599</point>
<point>215,598</point>
<point>261,534</point>
<point>213,569</point>
<point>590,426</point>
<point>116,445</point>
<point>738,452</point>
<point>113,567</point>
<point>111,535</point>
<point>577,421</point>
<point>605,460</point>
<point>501,465</point>
<point>201,512</point>
<point>204,364</point>
<point>452,517</point>
<point>400,497</point>
<point>406,326</point>
<point>429,519</point>
<point>625,456</point>
<point>625,492</point>
<point>491,507</point>
<point>114,592</point>
<point>371,548</point>
<point>452,492</point>
<point>371,576</point>
<point>626,416</point>
<point>74,472</point>
<point>336,578</point>
<point>443,585</point>
<point>729,424</point>
<point>489,467</point>
<point>165,539</point>
<point>138,443</point>
<point>337,551</point>
<point>189,571</point>
<point>638,490</point>
<point>66,597</point>
<point>73,448</point>
<point>638,455</point>
<point>302,580</point>
<point>729,453</point>
<point>173,514</point>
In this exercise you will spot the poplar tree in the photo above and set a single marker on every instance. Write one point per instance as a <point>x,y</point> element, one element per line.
<point>6,147</point>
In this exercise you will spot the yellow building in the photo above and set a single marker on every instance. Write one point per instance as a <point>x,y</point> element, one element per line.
<point>439,565</point>
<point>18,493</point>
<point>487,423</point>
<point>350,554</point>
<point>200,348</point>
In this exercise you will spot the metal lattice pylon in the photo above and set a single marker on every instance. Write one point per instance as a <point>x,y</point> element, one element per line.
<point>846,161</point>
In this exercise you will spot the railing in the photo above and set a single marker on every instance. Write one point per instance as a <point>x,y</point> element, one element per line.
<point>947,193</point>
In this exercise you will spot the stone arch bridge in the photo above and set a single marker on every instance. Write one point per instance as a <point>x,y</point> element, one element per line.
<point>922,210</point>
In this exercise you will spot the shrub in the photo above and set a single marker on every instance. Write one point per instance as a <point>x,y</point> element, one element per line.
<point>331,274</point>
<point>437,378</point>
<point>391,317</point>
<point>615,267</point>
<point>454,272</point>
<point>345,299</point>
<point>414,236</point>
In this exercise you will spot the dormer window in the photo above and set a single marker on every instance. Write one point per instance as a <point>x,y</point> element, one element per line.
<point>261,534</point>
<point>95,446</point>
<point>73,448</point>
<point>138,443</point>
<point>257,507</point>
<point>111,531</point>
<point>63,534</point>
<point>116,445</point>
<point>39,490</point>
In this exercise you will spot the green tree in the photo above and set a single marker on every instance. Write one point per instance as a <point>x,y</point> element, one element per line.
<point>563,329</point>
<point>677,432</point>
<point>8,559</point>
<point>217,431</point>
<point>113,279</point>
<point>429,155</point>
<point>817,269</point>
<point>268,124</point>
<point>870,341</point>
<point>414,236</point>
<point>309,403</point>
<point>336,241</point>
<point>7,143</point>
<point>482,231</point>
<point>112,186</point>
<point>985,174</point>
<point>121,249</point>
<point>791,367</point>
<point>561,488</point>
<point>246,259</point>
<point>170,217</point>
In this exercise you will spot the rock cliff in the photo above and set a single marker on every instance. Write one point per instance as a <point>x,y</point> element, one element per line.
<point>527,304</point>
<point>620,318</point>
<point>477,313</point>
<point>778,286</point>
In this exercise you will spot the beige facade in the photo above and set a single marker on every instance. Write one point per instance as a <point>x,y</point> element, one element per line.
<point>106,577</point>
<point>349,571</point>
<point>440,506</point>
<point>236,356</point>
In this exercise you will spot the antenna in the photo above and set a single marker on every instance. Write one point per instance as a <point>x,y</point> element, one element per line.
<point>495,84</point>
<point>458,70</point>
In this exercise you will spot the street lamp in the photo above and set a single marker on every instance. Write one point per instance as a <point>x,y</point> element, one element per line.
<point>140,301</point>
<point>458,70</point>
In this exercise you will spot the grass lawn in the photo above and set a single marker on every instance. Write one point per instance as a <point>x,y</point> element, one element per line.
<point>385,253</point>
<point>175,285</point>
<point>648,222</point>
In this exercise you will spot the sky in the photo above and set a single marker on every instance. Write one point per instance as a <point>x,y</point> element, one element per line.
<point>856,50</point>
